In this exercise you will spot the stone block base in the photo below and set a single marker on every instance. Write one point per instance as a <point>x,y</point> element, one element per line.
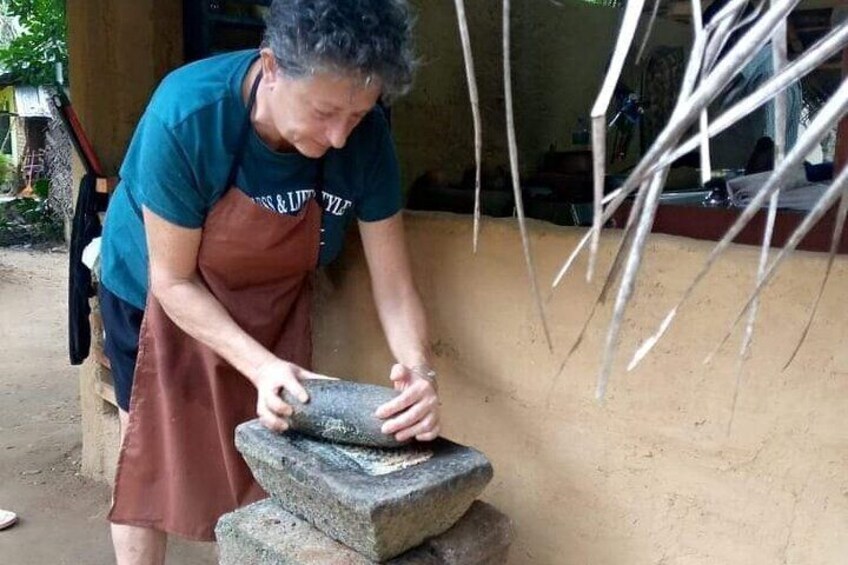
<point>379,502</point>
<point>265,534</point>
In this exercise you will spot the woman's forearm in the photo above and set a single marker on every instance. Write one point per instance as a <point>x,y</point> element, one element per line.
<point>395,296</point>
<point>405,325</point>
<point>191,306</point>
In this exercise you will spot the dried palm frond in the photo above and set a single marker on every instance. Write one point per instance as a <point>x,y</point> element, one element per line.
<point>713,63</point>
<point>780,59</point>
<point>516,180</point>
<point>474,98</point>
<point>829,114</point>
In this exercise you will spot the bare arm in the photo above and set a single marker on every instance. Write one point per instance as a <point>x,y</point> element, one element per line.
<point>175,283</point>
<point>414,413</point>
<point>398,303</point>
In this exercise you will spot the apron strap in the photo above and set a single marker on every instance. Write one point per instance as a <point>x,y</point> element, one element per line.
<point>242,143</point>
<point>245,131</point>
<point>319,182</point>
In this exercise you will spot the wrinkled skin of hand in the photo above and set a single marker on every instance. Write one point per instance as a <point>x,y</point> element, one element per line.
<point>414,413</point>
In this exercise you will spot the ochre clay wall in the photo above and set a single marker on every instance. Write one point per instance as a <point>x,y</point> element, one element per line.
<point>652,474</point>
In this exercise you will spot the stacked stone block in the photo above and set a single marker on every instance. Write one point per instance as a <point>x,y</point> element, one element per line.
<point>334,503</point>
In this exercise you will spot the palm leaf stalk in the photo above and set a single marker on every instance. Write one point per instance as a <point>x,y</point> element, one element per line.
<point>629,23</point>
<point>837,190</point>
<point>830,113</point>
<point>516,181</point>
<point>780,59</point>
<point>707,90</point>
<point>474,98</point>
<point>814,56</point>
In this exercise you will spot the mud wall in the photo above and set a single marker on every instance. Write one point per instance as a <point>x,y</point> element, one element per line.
<point>661,471</point>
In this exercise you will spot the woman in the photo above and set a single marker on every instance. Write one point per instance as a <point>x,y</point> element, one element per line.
<point>239,181</point>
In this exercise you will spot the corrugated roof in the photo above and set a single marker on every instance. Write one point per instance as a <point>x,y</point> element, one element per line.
<point>32,102</point>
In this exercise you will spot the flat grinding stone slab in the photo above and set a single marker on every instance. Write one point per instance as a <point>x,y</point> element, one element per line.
<point>265,534</point>
<point>342,411</point>
<point>379,502</point>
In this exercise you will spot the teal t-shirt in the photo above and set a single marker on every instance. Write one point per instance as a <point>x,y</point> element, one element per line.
<point>180,156</point>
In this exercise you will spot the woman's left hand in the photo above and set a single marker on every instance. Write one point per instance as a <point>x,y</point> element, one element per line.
<point>415,411</point>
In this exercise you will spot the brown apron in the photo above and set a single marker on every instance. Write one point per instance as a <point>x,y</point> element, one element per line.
<point>178,469</point>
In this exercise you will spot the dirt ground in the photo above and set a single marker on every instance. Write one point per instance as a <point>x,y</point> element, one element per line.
<point>62,514</point>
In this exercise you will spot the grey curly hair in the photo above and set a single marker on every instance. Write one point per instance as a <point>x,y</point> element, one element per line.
<point>367,38</point>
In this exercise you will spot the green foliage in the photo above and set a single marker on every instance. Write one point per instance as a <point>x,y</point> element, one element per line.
<point>29,221</point>
<point>41,188</point>
<point>32,55</point>
<point>8,169</point>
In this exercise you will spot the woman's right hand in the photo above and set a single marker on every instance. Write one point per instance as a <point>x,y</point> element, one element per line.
<point>271,379</point>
